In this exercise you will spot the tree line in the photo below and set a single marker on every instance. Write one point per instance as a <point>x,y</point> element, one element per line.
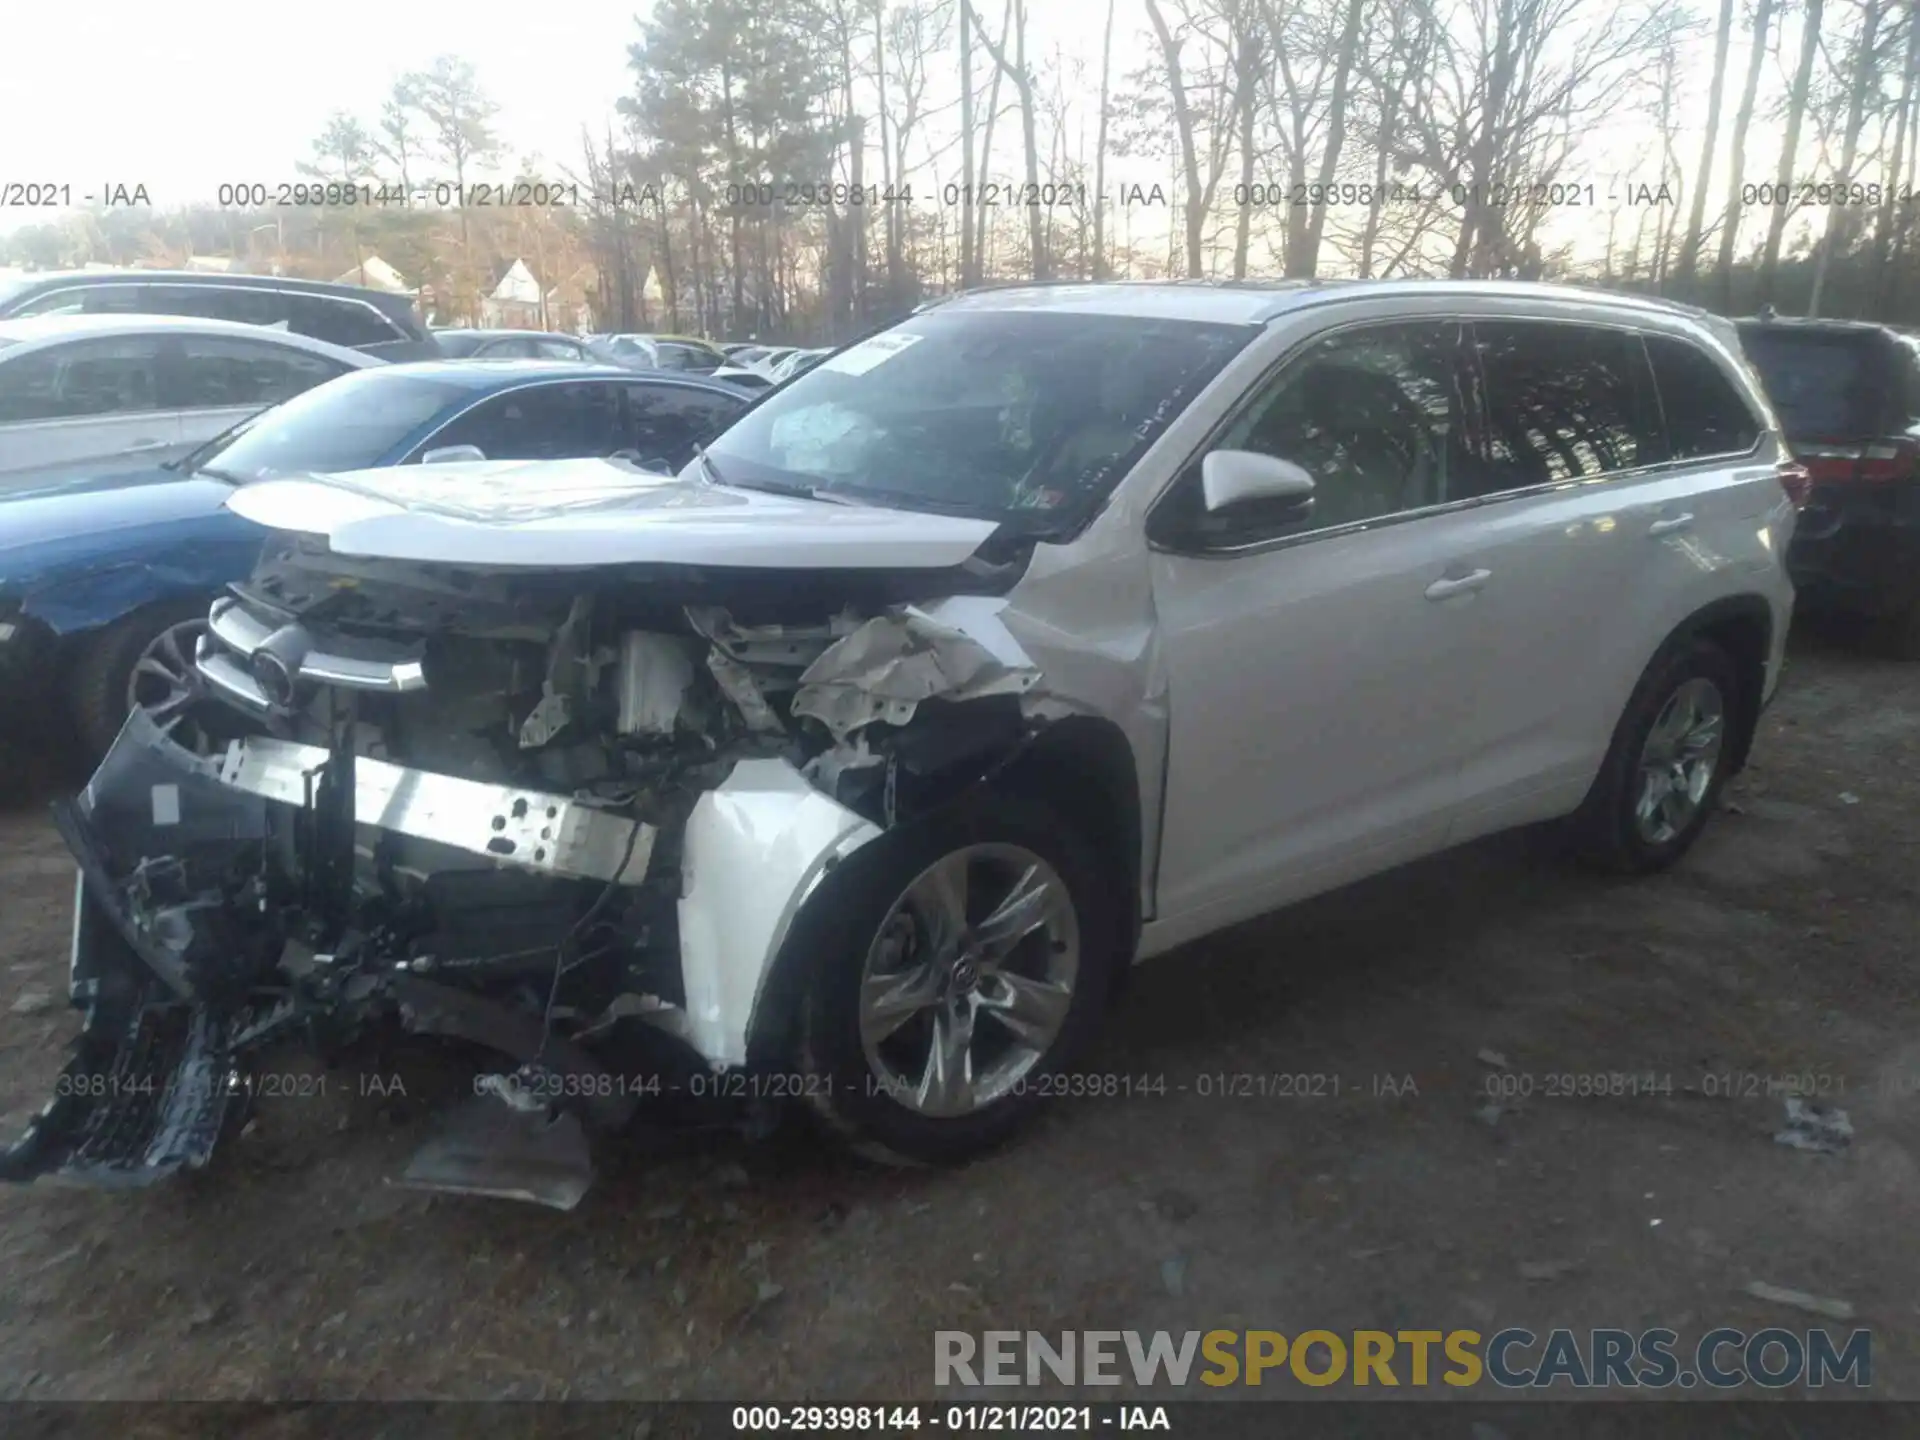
<point>804,169</point>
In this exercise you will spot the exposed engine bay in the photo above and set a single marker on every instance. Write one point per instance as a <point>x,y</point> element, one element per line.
<point>565,815</point>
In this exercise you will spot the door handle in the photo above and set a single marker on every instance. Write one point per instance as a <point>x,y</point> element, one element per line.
<point>140,445</point>
<point>1458,584</point>
<point>1672,525</point>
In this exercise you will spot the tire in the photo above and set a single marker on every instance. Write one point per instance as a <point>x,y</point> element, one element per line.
<point>876,1109</point>
<point>98,690</point>
<point>1607,830</point>
<point>1903,633</point>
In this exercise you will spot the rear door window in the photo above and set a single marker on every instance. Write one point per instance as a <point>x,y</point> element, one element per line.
<point>84,378</point>
<point>665,422</point>
<point>1824,384</point>
<point>1705,415</point>
<point>207,372</point>
<point>1563,402</point>
<point>544,422</point>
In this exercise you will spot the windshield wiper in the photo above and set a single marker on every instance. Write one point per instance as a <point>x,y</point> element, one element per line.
<point>714,477</point>
<point>771,487</point>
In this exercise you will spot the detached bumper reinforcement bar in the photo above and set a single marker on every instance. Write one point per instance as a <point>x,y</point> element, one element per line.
<point>531,828</point>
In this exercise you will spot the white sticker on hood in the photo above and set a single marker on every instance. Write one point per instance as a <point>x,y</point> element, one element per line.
<point>858,359</point>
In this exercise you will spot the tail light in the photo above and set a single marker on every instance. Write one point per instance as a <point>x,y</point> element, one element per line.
<point>1881,461</point>
<point>1797,480</point>
<point>1891,460</point>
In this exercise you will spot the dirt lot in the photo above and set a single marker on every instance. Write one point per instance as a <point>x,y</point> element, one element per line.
<point>1784,946</point>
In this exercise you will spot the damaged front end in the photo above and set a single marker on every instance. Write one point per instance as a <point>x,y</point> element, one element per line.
<point>568,818</point>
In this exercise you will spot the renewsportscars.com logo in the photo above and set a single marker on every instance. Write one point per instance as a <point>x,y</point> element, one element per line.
<point>1512,1359</point>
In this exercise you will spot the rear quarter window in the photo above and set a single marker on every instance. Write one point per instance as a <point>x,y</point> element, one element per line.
<point>1705,414</point>
<point>342,321</point>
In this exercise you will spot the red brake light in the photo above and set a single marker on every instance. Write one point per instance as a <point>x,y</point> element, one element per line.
<point>1894,461</point>
<point>1797,480</point>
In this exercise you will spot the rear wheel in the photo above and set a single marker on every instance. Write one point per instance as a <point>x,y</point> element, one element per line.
<point>1663,772</point>
<point>962,967</point>
<point>1904,633</point>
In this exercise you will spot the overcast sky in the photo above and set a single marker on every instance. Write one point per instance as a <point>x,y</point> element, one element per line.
<point>185,98</point>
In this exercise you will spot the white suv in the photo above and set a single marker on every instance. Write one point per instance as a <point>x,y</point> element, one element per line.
<point>1050,629</point>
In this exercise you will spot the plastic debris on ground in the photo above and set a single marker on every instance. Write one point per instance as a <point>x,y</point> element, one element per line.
<point>1809,1127</point>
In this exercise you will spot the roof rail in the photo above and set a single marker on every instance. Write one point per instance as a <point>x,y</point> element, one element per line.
<point>993,285</point>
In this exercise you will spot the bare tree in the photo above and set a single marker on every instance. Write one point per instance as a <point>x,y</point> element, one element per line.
<point>1742,122</point>
<point>1689,256</point>
<point>1202,181</point>
<point>1100,153</point>
<point>981,209</point>
<point>1403,59</point>
<point>1790,147</point>
<point>919,30</point>
<point>1865,78</point>
<point>1303,243</point>
<point>1020,73</point>
<point>398,140</point>
<point>460,119</point>
<point>969,262</point>
<point>1887,214</point>
<point>1512,82</point>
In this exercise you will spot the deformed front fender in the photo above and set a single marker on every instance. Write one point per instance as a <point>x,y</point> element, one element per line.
<point>755,848</point>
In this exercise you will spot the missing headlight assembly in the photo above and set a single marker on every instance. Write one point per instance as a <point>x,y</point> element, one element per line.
<point>569,818</point>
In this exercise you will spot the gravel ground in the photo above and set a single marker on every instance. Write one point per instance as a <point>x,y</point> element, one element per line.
<point>1785,945</point>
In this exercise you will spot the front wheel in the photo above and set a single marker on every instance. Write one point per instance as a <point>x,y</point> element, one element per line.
<point>1663,772</point>
<point>143,662</point>
<point>961,968</point>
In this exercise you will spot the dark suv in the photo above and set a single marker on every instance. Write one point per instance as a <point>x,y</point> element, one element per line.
<point>376,321</point>
<point>1848,398</point>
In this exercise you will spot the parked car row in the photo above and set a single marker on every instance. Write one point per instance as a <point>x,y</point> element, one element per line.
<point>106,575</point>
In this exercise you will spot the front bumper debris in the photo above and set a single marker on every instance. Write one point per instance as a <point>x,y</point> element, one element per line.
<point>186,974</point>
<point>145,1091</point>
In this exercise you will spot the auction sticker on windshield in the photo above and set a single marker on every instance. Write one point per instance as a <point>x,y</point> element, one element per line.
<point>859,359</point>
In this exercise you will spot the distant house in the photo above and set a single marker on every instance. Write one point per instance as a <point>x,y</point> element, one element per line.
<point>572,302</point>
<point>376,274</point>
<point>514,302</point>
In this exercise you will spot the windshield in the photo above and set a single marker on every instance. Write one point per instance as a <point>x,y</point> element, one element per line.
<point>1025,417</point>
<point>350,423</point>
<point>1824,385</point>
<point>12,287</point>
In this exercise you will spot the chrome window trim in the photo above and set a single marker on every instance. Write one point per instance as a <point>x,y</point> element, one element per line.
<point>132,284</point>
<point>1471,502</point>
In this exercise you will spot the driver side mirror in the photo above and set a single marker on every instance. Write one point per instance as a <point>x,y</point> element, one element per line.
<point>1233,477</point>
<point>448,453</point>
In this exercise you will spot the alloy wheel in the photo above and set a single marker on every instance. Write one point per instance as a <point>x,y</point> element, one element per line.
<point>969,980</point>
<point>165,684</point>
<point>1679,760</point>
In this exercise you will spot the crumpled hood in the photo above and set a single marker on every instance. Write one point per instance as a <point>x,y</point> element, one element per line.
<point>573,514</point>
